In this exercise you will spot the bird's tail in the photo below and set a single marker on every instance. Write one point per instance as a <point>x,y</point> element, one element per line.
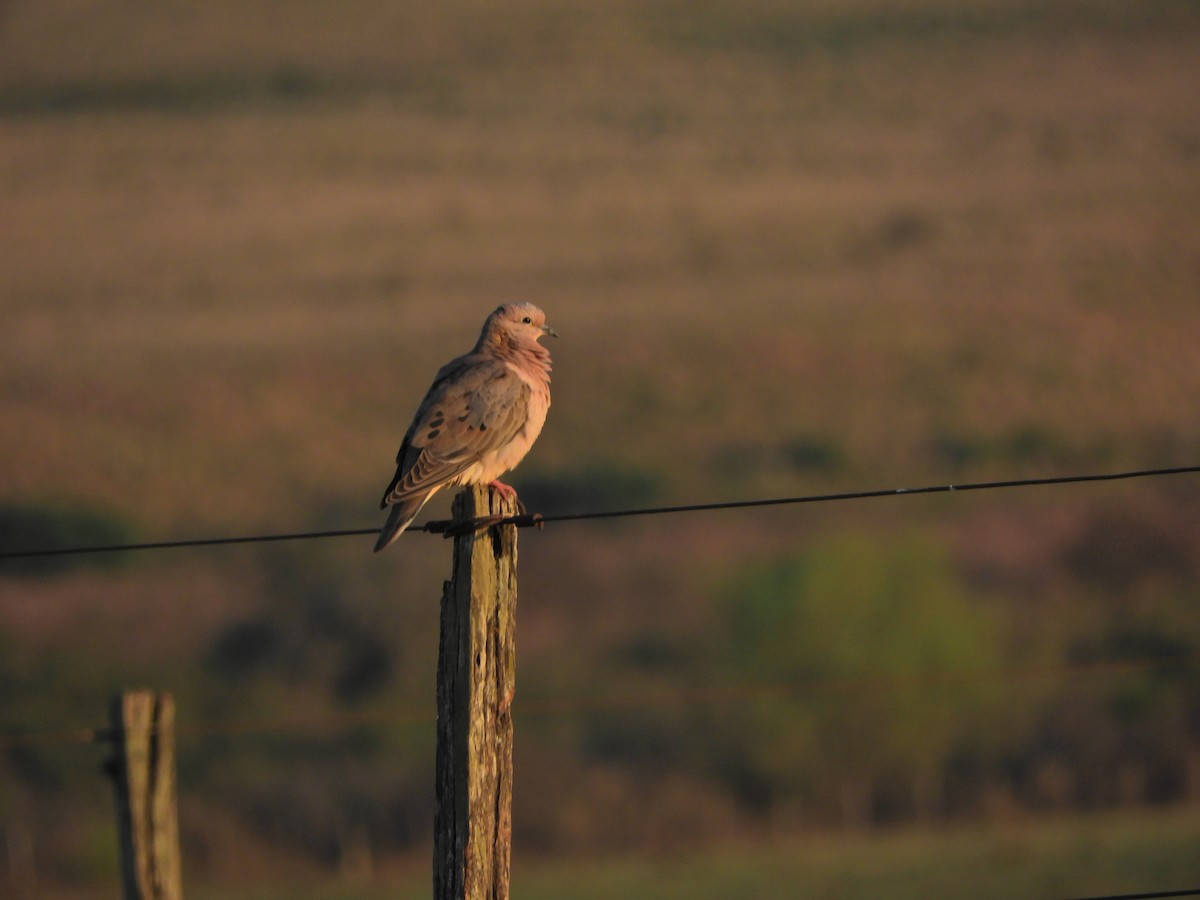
<point>400,516</point>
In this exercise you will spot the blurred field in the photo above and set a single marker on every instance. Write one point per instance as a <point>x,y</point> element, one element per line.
<point>1035,860</point>
<point>790,247</point>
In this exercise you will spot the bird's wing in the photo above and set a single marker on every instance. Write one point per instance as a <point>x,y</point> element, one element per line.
<point>475,406</point>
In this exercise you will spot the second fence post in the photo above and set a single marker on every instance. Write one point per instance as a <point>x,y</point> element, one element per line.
<point>142,724</point>
<point>472,842</point>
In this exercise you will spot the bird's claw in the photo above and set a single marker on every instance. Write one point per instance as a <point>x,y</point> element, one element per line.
<point>504,490</point>
<point>508,492</point>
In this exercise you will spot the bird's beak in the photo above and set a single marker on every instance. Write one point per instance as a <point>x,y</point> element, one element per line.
<point>550,332</point>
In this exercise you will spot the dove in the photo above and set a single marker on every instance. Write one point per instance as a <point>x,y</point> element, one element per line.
<point>479,418</point>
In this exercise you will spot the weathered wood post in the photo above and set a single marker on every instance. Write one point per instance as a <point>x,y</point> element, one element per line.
<point>472,842</point>
<point>142,725</point>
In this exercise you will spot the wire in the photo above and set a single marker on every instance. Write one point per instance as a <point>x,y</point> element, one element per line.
<point>1152,895</point>
<point>57,736</point>
<point>191,542</point>
<point>612,702</point>
<point>450,528</point>
<point>536,519</point>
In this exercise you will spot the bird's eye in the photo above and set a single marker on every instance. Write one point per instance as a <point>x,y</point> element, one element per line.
<point>527,320</point>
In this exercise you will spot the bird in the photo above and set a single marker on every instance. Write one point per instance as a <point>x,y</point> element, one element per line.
<point>479,418</point>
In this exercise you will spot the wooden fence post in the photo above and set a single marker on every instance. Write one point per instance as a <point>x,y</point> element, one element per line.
<point>472,842</point>
<point>142,725</point>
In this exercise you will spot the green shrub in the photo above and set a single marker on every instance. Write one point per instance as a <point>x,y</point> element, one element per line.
<point>857,648</point>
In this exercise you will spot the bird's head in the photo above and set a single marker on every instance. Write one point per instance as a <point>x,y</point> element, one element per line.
<point>517,323</point>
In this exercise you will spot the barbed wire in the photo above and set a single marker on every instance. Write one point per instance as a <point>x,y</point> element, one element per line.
<point>615,702</point>
<point>1151,895</point>
<point>450,528</point>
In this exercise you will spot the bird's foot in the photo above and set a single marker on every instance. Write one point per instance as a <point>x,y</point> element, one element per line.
<point>504,490</point>
<point>508,492</point>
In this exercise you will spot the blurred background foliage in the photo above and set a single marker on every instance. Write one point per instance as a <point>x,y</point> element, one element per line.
<point>791,248</point>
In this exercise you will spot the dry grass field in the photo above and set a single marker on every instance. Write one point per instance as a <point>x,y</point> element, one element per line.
<point>790,248</point>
